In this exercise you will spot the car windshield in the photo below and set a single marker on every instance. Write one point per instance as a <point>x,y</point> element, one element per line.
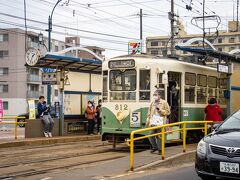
<point>232,123</point>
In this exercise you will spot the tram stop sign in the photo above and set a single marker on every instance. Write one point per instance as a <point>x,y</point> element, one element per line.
<point>224,68</point>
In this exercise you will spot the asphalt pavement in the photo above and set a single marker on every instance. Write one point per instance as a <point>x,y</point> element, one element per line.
<point>184,173</point>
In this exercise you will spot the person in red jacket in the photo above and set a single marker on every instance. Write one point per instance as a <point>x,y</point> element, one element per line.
<point>90,115</point>
<point>213,111</point>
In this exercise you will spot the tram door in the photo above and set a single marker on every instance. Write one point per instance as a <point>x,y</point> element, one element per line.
<point>174,96</point>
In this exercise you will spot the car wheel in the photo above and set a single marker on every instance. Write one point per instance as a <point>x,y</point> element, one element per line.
<point>21,120</point>
<point>207,177</point>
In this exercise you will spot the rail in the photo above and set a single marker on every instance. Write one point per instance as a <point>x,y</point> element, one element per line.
<point>16,123</point>
<point>182,128</point>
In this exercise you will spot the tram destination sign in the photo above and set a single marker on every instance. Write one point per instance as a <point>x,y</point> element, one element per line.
<point>223,68</point>
<point>121,64</point>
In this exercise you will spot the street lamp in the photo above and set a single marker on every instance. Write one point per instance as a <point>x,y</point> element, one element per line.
<point>40,38</point>
<point>49,88</point>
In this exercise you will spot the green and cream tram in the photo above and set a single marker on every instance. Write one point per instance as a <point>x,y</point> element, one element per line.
<point>129,82</point>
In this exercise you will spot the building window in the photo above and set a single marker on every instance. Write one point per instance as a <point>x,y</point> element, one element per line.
<point>154,52</point>
<point>5,105</point>
<point>3,88</point>
<point>211,41</point>
<point>220,49</point>
<point>232,40</point>
<point>56,48</point>
<point>220,40</point>
<point>42,90</point>
<point>3,71</point>
<point>3,37</point>
<point>56,92</point>
<point>3,54</point>
<point>164,43</point>
<point>154,43</point>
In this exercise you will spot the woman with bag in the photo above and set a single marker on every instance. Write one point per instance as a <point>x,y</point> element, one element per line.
<point>157,116</point>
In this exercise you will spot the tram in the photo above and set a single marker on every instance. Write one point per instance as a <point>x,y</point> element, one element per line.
<point>129,82</point>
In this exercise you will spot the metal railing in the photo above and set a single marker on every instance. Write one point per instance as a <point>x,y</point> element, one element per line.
<point>15,122</point>
<point>182,128</point>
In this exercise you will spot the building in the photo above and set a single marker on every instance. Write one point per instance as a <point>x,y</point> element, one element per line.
<point>19,83</point>
<point>226,41</point>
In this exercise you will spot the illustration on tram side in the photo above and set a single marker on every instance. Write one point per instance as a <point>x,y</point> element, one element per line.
<point>129,82</point>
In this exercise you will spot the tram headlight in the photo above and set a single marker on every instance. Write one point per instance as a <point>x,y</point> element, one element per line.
<point>120,116</point>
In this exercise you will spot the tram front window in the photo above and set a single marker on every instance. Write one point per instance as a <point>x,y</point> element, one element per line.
<point>122,83</point>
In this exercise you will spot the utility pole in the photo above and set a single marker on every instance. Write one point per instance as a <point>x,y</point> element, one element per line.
<point>141,29</point>
<point>172,27</point>
<point>204,24</point>
<point>237,15</point>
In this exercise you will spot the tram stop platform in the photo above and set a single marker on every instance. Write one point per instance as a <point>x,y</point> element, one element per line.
<point>45,141</point>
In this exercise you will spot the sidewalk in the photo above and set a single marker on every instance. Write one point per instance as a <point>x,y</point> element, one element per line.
<point>44,141</point>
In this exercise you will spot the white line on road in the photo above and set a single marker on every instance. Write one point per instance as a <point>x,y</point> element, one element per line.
<point>46,178</point>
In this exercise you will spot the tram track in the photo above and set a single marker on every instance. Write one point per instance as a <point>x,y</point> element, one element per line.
<point>99,157</point>
<point>66,156</point>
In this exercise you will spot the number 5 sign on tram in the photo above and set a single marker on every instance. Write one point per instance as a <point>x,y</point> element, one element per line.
<point>135,120</point>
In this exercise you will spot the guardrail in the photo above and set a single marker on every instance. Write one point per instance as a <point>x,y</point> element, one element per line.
<point>182,128</point>
<point>16,123</point>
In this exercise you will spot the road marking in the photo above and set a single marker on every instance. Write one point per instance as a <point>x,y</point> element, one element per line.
<point>127,174</point>
<point>46,178</point>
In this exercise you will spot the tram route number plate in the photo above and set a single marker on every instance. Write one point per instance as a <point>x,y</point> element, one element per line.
<point>229,167</point>
<point>135,121</point>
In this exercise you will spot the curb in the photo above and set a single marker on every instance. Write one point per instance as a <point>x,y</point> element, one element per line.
<point>177,159</point>
<point>47,141</point>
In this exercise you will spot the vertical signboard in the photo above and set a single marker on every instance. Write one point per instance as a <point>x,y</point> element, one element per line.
<point>32,111</point>
<point>1,109</point>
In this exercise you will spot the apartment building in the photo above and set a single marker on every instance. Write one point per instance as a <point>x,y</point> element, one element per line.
<point>19,83</point>
<point>226,41</point>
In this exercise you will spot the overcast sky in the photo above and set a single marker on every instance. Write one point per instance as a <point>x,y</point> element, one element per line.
<point>113,17</point>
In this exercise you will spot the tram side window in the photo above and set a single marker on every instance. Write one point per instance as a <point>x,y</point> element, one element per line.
<point>144,82</point>
<point>222,87</point>
<point>190,83</point>
<point>212,87</point>
<point>160,85</point>
<point>105,86</point>
<point>201,90</point>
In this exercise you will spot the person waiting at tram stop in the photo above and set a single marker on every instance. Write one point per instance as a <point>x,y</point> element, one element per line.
<point>90,115</point>
<point>44,114</point>
<point>99,115</point>
<point>213,111</point>
<point>157,115</point>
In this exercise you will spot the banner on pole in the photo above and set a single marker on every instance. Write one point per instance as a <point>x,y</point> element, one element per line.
<point>32,111</point>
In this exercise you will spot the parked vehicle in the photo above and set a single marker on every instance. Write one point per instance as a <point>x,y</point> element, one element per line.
<point>218,154</point>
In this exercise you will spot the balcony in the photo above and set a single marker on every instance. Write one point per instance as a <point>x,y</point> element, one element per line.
<point>33,94</point>
<point>33,78</point>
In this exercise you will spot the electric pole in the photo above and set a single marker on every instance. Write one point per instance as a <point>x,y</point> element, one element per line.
<point>172,27</point>
<point>204,24</point>
<point>237,15</point>
<point>141,30</point>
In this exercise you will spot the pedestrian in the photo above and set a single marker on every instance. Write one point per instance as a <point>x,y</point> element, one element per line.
<point>44,114</point>
<point>90,114</point>
<point>99,115</point>
<point>157,115</point>
<point>213,111</point>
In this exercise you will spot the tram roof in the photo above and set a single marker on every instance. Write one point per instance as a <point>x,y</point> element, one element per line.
<point>93,66</point>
